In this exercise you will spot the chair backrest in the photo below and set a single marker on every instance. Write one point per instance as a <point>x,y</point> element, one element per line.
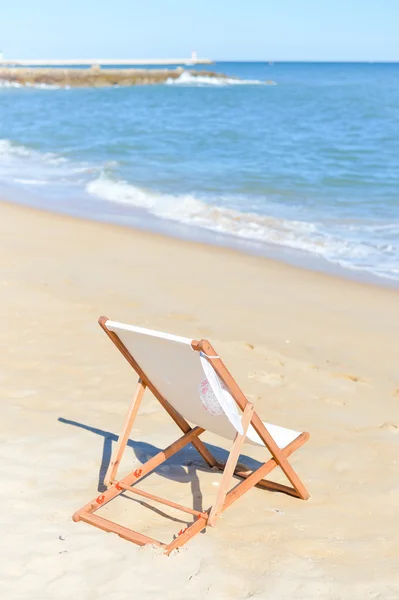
<point>182,376</point>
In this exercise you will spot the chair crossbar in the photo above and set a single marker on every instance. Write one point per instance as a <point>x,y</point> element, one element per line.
<point>123,532</point>
<point>139,492</point>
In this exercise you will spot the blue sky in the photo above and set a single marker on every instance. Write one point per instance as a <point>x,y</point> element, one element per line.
<point>218,29</point>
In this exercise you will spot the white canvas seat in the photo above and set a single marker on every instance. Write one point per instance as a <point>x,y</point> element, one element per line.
<point>177,372</point>
<point>193,385</point>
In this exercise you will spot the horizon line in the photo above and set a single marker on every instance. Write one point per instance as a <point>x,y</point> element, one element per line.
<point>202,60</point>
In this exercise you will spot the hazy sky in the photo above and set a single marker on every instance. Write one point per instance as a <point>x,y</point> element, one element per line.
<point>218,29</point>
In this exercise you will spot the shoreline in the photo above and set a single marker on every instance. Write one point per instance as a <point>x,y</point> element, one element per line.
<point>313,353</point>
<point>178,231</point>
<point>284,271</point>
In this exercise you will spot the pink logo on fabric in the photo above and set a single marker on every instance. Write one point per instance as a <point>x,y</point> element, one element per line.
<point>209,400</point>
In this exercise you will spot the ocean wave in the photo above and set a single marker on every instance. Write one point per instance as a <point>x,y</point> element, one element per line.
<point>5,83</point>
<point>30,181</point>
<point>357,244</point>
<point>25,167</point>
<point>315,238</point>
<point>12,150</point>
<point>205,80</point>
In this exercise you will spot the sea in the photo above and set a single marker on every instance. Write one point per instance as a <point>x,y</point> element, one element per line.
<point>295,161</point>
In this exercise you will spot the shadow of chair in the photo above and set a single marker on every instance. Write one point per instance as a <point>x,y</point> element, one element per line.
<point>182,467</point>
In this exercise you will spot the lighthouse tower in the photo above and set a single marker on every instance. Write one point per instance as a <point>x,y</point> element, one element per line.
<point>194,56</point>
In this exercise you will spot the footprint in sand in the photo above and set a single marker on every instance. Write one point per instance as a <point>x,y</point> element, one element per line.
<point>249,346</point>
<point>253,398</point>
<point>22,394</point>
<point>272,379</point>
<point>334,401</point>
<point>274,362</point>
<point>85,307</point>
<point>181,317</point>
<point>348,377</point>
<point>206,333</point>
<point>394,428</point>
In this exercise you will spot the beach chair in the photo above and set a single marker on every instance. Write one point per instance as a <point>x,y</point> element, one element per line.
<point>193,385</point>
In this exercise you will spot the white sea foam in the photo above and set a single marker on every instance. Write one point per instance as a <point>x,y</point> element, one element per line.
<point>30,181</point>
<point>185,79</point>
<point>9,150</point>
<point>25,167</point>
<point>188,79</point>
<point>4,83</point>
<point>316,238</point>
<point>44,86</point>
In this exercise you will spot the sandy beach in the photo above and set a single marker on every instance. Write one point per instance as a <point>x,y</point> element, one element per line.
<point>313,352</point>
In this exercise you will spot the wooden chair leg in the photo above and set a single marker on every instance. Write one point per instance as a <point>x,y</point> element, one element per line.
<point>230,466</point>
<point>281,460</point>
<point>124,436</point>
<point>258,425</point>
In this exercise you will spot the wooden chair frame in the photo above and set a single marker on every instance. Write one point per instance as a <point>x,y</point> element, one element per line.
<point>230,469</point>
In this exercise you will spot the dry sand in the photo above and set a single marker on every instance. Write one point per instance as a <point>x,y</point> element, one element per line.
<point>313,352</point>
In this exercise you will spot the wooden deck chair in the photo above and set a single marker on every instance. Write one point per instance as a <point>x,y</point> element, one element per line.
<point>191,382</point>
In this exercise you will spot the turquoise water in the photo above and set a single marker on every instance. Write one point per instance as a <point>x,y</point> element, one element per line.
<point>305,167</point>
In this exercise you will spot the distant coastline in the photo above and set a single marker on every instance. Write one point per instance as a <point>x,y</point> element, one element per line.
<point>95,76</point>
